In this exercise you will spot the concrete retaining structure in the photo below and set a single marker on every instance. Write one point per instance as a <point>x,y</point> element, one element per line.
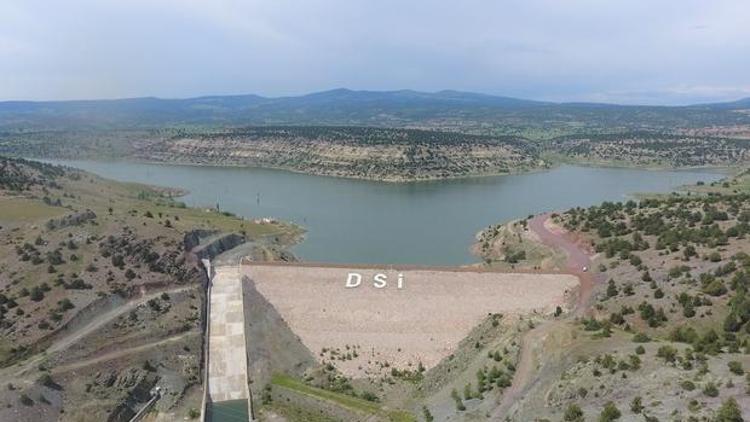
<point>204,401</point>
<point>145,409</point>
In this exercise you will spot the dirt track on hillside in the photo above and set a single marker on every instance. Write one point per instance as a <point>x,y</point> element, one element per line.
<point>578,254</point>
<point>29,367</point>
<point>532,343</point>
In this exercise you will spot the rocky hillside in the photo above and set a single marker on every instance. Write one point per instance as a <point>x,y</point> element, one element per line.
<point>384,154</point>
<point>101,298</point>
<point>667,333</point>
<point>356,152</point>
<point>653,150</point>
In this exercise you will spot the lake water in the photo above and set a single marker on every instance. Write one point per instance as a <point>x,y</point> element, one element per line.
<point>352,221</point>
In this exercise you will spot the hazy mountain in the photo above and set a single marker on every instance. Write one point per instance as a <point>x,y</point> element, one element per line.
<point>732,105</point>
<point>348,107</point>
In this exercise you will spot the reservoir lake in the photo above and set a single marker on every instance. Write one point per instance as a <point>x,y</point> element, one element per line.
<point>430,223</point>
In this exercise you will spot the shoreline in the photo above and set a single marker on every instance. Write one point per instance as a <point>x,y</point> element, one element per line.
<point>729,170</point>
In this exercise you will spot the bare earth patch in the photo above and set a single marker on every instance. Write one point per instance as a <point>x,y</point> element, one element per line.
<point>422,322</point>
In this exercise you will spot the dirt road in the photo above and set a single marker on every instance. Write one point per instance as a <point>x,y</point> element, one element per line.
<point>31,364</point>
<point>120,353</point>
<point>532,343</point>
<point>578,257</point>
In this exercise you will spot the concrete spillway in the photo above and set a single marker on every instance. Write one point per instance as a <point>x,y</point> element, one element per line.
<point>227,363</point>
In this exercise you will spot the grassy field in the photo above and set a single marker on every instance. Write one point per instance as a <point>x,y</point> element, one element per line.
<point>349,402</point>
<point>294,413</point>
<point>739,183</point>
<point>26,210</point>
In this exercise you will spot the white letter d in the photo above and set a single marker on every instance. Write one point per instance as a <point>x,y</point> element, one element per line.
<point>353,280</point>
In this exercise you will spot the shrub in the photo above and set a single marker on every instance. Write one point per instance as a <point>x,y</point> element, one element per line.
<point>636,406</point>
<point>37,294</point>
<point>736,367</point>
<point>609,413</point>
<point>65,304</point>
<point>715,288</point>
<point>711,390</point>
<point>427,415</point>
<point>687,385</point>
<point>459,404</point>
<point>729,411</point>
<point>668,353</point>
<point>641,338</point>
<point>573,413</point>
<point>635,260</point>
<point>26,400</point>
<point>611,288</point>
<point>369,396</point>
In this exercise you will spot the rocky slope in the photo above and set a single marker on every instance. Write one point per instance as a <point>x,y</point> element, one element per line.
<point>101,297</point>
<point>355,152</point>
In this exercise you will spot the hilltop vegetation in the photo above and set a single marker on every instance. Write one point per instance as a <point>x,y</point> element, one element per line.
<point>441,110</point>
<point>395,136</point>
<point>652,150</point>
<point>667,334</point>
<point>379,153</point>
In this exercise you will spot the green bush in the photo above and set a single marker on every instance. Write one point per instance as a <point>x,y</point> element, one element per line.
<point>711,390</point>
<point>609,413</point>
<point>641,338</point>
<point>687,385</point>
<point>736,367</point>
<point>573,413</point>
<point>729,411</point>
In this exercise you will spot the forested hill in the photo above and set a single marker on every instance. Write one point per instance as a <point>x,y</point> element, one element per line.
<point>444,109</point>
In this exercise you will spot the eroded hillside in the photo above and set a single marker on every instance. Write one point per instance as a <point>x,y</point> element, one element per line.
<point>101,299</point>
<point>356,152</point>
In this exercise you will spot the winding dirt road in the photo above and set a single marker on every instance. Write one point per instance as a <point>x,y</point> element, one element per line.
<point>532,343</point>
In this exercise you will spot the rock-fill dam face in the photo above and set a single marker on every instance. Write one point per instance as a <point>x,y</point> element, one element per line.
<point>406,317</point>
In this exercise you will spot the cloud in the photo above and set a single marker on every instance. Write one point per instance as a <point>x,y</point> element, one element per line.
<point>677,95</point>
<point>545,49</point>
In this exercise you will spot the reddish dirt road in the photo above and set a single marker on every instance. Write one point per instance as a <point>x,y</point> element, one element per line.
<point>532,343</point>
<point>578,256</point>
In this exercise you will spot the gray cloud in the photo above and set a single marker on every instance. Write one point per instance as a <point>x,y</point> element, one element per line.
<point>674,51</point>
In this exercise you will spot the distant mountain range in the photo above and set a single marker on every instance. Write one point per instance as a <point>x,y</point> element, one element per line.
<point>348,107</point>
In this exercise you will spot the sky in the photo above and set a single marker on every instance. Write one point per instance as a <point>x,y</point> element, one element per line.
<point>619,51</point>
